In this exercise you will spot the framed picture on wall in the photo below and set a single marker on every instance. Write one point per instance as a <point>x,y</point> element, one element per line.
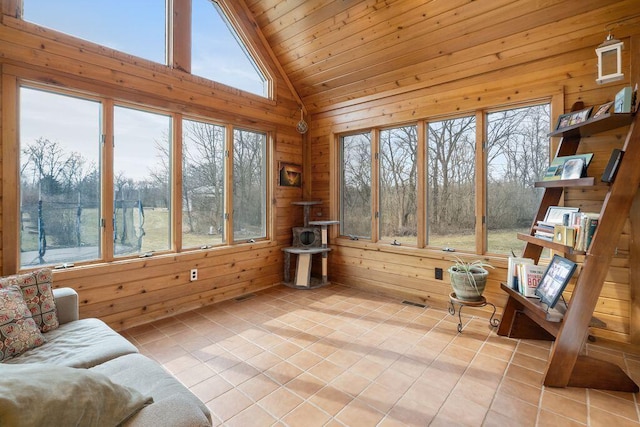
<point>290,174</point>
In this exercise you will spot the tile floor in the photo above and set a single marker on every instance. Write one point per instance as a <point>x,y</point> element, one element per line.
<point>336,356</point>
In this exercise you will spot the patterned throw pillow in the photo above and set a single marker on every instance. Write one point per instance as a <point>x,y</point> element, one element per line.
<point>18,331</point>
<point>37,292</point>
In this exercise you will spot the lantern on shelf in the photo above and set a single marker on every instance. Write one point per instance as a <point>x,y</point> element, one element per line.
<point>609,60</point>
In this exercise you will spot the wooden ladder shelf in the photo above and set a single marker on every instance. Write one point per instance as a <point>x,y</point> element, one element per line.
<point>523,318</point>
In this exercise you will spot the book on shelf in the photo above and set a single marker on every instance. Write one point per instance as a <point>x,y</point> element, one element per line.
<point>585,224</point>
<point>622,102</point>
<point>530,276</point>
<point>610,170</point>
<point>512,271</point>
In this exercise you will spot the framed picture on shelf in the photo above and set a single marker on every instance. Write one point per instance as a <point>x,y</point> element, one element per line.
<point>580,116</point>
<point>555,214</point>
<point>555,279</point>
<point>563,121</point>
<point>573,169</point>
<point>602,110</point>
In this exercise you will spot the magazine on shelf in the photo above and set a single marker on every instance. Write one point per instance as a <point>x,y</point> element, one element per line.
<point>555,169</point>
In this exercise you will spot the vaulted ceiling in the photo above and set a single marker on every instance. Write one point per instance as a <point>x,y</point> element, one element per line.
<point>337,52</point>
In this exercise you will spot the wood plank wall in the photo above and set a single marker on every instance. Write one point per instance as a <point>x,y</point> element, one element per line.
<point>135,291</point>
<point>568,67</point>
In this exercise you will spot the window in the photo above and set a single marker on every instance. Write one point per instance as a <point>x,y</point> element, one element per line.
<point>63,148</point>
<point>218,53</point>
<point>517,156</point>
<point>451,183</point>
<point>355,211</point>
<point>398,180</point>
<point>134,27</point>
<point>142,185</point>
<point>382,173</point>
<point>249,185</point>
<point>203,148</point>
<point>59,178</point>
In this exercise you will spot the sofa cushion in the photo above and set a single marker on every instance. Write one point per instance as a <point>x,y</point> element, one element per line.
<point>174,404</point>
<point>39,395</point>
<point>18,330</point>
<point>36,289</point>
<point>80,344</point>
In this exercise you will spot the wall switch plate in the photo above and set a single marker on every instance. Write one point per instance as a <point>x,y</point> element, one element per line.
<point>438,273</point>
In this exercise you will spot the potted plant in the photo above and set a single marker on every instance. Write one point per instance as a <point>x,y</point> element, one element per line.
<point>468,279</point>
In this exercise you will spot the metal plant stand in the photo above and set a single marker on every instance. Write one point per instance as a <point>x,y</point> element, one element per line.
<point>493,322</point>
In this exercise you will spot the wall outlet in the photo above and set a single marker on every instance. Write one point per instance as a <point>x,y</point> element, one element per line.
<point>438,273</point>
<point>194,275</point>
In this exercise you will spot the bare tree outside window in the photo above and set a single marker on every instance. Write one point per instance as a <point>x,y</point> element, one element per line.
<point>517,156</point>
<point>398,180</point>
<point>451,183</point>
<point>203,147</point>
<point>249,185</point>
<point>355,212</point>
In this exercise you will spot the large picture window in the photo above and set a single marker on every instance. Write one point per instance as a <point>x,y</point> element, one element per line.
<point>517,156</point>
<point>355,212</point>
<point>59,178</point>
<point>249,185</point>
<point>135,27</point>
<point>398,184</point>
<point>203,195</point>
<point>451,183</point>
<point>142,185</point>
<point>382,176</point>
<point>68,140</point>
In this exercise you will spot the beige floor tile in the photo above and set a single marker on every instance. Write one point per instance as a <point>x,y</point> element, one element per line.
<point>258,387</point>
<point>598,417</point>
<point>566,407</point>
<point>358,413</point>
<point>548,418</point>
<point>280,402</point>
<point>307,415</point>
<point>252,416</point>
<point>330,400</point>
<point>622,406</point>
<point>528,393</point>
<point>305,385</point>
<point>337,356</point>
<point>351,383</point>
<point>229,404</point>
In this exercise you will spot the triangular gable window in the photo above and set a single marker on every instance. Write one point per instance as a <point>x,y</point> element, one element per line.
<point>219,54</point>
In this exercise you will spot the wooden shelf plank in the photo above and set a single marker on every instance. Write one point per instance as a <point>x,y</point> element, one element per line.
<point>593,126</point>
<point>547,244</point>
<point>534,310</point>
<point>588,181</point>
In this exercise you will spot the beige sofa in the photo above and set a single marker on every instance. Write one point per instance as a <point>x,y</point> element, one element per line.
<point>86,367</point>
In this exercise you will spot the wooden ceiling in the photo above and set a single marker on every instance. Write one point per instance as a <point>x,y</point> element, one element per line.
<point>340,52</point>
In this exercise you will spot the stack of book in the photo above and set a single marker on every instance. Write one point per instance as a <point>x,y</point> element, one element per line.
<point>524,276</point>
<point>544,230</point>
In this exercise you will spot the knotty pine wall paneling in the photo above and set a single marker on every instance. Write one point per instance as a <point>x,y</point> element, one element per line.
<point>525,66</point>
<point>130,292</point>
